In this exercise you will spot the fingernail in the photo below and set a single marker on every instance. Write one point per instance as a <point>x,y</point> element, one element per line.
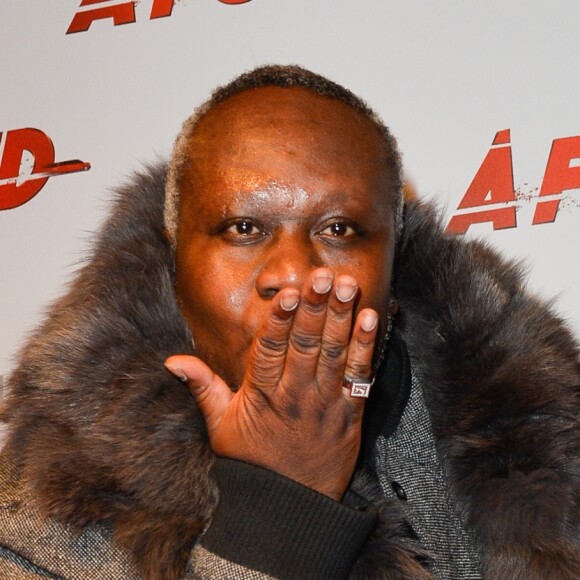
<point>368,321</point>
<point>322,283</point>
<point>176,371</point>
<point>289,301</point>
<point>346,291</point>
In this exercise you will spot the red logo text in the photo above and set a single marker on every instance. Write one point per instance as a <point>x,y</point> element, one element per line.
<point>122,12</point>
<point>491,197</point>
<point>27,163</point>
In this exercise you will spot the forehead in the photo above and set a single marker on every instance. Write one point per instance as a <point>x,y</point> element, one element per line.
<point>298,104</point>
<point>290,136</point>
<point>284,113</point>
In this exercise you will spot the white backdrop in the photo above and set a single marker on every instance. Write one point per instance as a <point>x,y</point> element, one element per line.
<point>446,75</point>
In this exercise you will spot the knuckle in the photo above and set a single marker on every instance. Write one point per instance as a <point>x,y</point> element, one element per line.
<point>333,352</point>
<point>365,341</point>
<point>271,345</point>
<point>341,312</point>
<point>305,343</point>
<point>313,307</point>
<point>262,377</point>
<point>293,410</point>
<point>358,369</point>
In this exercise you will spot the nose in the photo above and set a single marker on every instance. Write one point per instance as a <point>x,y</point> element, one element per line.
<point>286,263</point>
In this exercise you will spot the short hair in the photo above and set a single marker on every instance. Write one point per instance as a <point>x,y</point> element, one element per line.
<point>285,76</point>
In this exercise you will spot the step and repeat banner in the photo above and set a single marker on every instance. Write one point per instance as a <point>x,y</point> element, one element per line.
<point>484,97</point>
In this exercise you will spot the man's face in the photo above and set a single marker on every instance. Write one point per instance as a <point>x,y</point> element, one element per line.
<point>281,181</point>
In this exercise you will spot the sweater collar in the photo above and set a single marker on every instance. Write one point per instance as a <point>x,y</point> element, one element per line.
<point>389,396</point>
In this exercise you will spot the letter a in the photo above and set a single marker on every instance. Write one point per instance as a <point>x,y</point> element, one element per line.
<point>493,183</point>
<point>120,13</point>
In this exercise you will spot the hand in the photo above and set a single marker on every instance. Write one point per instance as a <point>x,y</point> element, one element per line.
<point>292,414</point>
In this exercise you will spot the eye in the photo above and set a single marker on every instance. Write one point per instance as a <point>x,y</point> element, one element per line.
<point>242,230</point>
<point>339,229</point>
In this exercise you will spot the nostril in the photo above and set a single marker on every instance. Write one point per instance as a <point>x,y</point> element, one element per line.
<point>268,293</point>
<point>274,277</point>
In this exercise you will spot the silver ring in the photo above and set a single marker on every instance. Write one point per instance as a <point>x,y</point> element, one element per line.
<point>358,387</point>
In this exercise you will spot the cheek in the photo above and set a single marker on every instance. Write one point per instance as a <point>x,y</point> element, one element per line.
<point>375,294</point>
<point>375,285</point>
<point>215,297</point>
<point>208,296</point>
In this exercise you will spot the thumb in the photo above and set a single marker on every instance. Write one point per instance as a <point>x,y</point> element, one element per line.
<point>210,392</point>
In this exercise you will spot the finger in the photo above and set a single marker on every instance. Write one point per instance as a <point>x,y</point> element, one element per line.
<point>268,351</point>
<point>305,337</point>
<point>336,334</point>
<point>360,352</point>
<point>210,392</point>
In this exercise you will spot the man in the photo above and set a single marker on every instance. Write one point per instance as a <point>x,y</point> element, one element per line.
<point>283,263</point>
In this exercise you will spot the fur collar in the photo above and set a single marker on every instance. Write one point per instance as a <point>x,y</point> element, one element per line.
<point>103,433</point>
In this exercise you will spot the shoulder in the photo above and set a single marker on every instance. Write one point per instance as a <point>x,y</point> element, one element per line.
<point>466,310</point>
<point>34,547</point>
<point>501,376</point>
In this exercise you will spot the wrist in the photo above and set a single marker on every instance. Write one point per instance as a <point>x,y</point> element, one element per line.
<point>269,523</point>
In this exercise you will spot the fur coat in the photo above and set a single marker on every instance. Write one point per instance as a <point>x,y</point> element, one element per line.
<point>102,433</point>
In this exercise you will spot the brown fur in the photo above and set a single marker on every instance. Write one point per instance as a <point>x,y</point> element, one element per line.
<point>103,433</point>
